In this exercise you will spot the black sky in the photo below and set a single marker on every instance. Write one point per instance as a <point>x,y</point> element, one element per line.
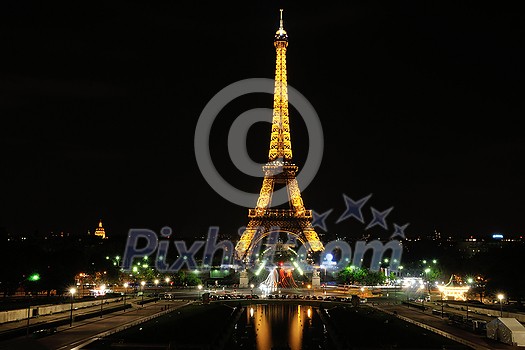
<point>421,105</point>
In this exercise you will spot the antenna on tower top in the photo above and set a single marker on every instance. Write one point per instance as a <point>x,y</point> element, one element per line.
<point>281,27</point>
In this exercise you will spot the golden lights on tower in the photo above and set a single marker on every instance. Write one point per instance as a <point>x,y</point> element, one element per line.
<point>279,169</point>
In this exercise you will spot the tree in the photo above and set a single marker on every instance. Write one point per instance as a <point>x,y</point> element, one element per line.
<point>351,275</point>
<point>373,278</point>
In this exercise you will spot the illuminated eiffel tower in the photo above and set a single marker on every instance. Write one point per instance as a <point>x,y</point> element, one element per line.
<point>279,170</point>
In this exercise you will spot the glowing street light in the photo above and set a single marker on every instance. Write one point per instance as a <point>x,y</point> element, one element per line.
<point>142,284</point>
<point>102,292</point>
<point>126,285</point>
<point>72,291</point>
<point>34,277</point>
<point>441,288</point>
<point>500,297</point>
<point>199,288</point>
<point>251,286</point>
<point>309,286</point>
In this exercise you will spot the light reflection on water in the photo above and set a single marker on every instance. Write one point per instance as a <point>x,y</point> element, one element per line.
<point>279,325</point>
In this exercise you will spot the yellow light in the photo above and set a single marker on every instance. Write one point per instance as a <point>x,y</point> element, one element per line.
<point>279,161</point>
<point>72,291</point>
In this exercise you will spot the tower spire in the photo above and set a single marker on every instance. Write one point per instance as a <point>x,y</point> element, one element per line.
<point>280,144</point>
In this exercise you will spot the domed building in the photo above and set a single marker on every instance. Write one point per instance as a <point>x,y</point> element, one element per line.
<point>99,231</point>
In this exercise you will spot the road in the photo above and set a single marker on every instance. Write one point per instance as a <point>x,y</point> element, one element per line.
<point>426,317</point>
<point>5,327</point>
<point>85,331</point>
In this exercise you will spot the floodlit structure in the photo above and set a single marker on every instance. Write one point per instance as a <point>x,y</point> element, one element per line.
<point>99,231</point>
<point>279,170</point>
<point>270,283</point>
<point>455,293</point>
<point>506,330</point>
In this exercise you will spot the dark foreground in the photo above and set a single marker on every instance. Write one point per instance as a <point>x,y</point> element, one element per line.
<point>275,325</point>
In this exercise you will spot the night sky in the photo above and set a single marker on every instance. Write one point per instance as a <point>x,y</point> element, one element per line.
<point>421,105</point>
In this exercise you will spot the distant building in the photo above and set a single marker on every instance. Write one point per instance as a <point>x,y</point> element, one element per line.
<point>473,245</point>
<point>100,232</point>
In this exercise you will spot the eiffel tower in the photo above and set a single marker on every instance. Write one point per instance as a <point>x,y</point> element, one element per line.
<point>279,170</point>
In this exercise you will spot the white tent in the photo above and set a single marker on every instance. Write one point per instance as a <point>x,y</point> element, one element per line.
<point>506,330</point>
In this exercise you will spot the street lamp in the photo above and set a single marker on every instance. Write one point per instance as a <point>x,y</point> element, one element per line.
<point>33,278</point>
<point>500,297</point>
<point>427,271</point>
<point>72,291</point>
<point>309,286</point>
<point>199,287</point>
<point>102,291</point>
<point>441,292</point>
<point>142,284</point>
<point>156,281</point>
<point>251,286</point>
<point>422,287</point>
<point>125,292</point>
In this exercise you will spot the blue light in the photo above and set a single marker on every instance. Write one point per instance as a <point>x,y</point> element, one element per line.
<point>497,236</point>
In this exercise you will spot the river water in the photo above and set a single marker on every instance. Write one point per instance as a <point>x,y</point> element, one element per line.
<point>279,326</point>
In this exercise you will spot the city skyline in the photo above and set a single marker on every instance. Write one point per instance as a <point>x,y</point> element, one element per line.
<point>100,114</point>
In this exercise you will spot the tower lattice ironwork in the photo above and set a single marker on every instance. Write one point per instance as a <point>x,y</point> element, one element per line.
<point>279,170</point>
